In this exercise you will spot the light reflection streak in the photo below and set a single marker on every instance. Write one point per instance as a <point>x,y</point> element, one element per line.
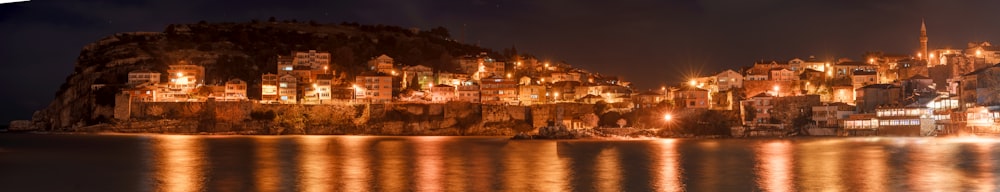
<point>984,168</point>
<point>268,166</point>
<point>182,163</point>
<point>608,170</point>
<point>429,165</point>
<point>314,163</point>
<point>354,167</point>
<point>667,170</point>
<point>931,168</point>
<point>393,166</point>
<point>820,169</point>
<point>774,161</point>
<point>552,169</point>
<point>873,170</point>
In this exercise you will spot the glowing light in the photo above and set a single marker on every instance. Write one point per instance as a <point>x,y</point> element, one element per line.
<point>179,74</point>
<point>693,82</point>
<point>871,60</point>
<point>931,55</point>
<point>668,117</point>
<point>979,52</point>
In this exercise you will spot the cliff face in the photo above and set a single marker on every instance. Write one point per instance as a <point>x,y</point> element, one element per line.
<point>231,50</point>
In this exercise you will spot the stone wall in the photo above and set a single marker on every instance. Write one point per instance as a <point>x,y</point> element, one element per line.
<point>453,118</point>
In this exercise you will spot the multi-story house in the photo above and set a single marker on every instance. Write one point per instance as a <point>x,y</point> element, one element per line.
<point>844,69</point>
<point>468,92</point>
<point>533,94</point>
<point>139,77</point>
<point>691,97</point>
<point>185,77</point>
<point>419,75</point>
<point>871,96</point>
<point>863,78</point>
<point>269,88</point>
<point>382,64</point>
<point>235,90</point>
<point>728,79</point>
<point>497,90</point>
<point>288,89</point>
<point>441,93</point>
<point>831,114</point>
<point>760,107</point>
<point>311,59</point>
<point>374,88</point>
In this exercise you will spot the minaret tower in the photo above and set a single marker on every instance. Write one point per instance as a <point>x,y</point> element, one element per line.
<point>923,41</point>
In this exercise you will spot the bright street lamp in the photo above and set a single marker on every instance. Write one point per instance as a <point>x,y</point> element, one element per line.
<point>668,117</point>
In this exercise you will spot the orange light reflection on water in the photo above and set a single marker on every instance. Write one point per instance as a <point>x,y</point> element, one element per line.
<point>429,165</point>
<point>182,163</point>
<point>607,170</point>
<point>314,163</point>
<point>667,170</point>
<point>354,167</point>
<point>267,172</point>
<point>393,167</point>
<point>774,161</point>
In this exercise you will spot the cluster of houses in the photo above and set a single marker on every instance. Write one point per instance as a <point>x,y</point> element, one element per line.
<point>931,92</point>
<point>306,78</point>
<point>942,91</point>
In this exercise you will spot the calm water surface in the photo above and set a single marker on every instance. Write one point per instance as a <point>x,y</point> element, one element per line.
<point>370,163</point>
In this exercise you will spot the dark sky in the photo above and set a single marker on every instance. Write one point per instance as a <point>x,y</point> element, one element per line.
<point>648,42</point>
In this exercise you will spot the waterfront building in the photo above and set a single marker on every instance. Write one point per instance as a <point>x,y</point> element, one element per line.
<point>374,88</point>
<point>235,90</point>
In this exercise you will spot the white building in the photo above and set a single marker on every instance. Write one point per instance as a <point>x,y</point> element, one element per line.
<point>143,76</point>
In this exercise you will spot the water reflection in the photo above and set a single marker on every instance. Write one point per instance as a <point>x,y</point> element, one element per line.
<point>180,165</point>
<point>267,167</point>
<point>774,162</point>
<point>667,169</point>
<point>358,163</point>
<point>314,161</point>
<point>355,170</point>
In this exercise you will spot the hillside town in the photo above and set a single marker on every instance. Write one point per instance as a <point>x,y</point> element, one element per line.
<point>933,91</point>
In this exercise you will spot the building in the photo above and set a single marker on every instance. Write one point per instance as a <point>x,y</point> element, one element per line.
<point>269,88</point>
<point>235,90</point>
<point>497,90</point>
<point>533,94</point>
<point>923,54</point>
<point>419,75</point>
<point>374,88</point>
<point>845,69</point>
<point>311,59</point>
<point>383,64</point>
<point>757,109</point>
<point>783,74</point>
<point>728,79</point>
<point>981,87</point>
<point>863,78</point>
<point>895,120</point>
<point>649,99</point>
<point>468,92</point>
<point>441,93</point>
<point>982,54</point>
<point>288,89</point>
<point>185,77</point>
<point>871,96</point>
<point>139,77</point>
<point>831,114</point>
<point>691,97</point>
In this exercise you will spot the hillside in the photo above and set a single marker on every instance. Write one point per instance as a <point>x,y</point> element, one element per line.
<point>234,50</point>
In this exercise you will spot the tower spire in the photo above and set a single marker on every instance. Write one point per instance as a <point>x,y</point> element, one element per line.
<point>923,41</point>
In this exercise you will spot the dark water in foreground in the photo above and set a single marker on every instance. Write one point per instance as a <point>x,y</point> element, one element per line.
<point>368,163</point>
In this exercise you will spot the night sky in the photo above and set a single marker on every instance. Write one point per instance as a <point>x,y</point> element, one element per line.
<point>651,43</point>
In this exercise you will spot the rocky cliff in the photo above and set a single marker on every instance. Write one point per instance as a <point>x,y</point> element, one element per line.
<point>232,50</point>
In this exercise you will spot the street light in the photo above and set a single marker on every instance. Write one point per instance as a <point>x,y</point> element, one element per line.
<point>668,117</point>
<point>776,89</point>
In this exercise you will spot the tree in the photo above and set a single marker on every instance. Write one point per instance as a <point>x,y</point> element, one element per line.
<point>621,122</point>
